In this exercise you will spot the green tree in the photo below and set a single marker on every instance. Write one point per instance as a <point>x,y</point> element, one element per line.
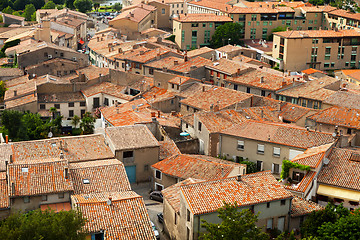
<point>49,5</point>
<point>17,13</point>
<point>38,3</point>
<point>44,225</point>
<point>20,4</point>
<point>229,33</point>
<point>87,123</point>
<point>35,126</point>
<point>53,112</point>
<point>330,214</point>
<point>250,166</point>
<point>96,6</point>
<point>2,89</point>
<point>29,11</point>
<point>75,120</point>
<point>83,5</point>
<point>8,10</point>
<point>69,4</point>
<point>235,225</point>
<point>60,2</point>
<point>4,4</point>
<point>277,29</point>
<point>117,7</point>
<point>12,124</point>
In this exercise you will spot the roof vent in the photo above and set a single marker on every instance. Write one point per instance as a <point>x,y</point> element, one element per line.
<point>86,181</point>
<point>108,202</point>
<point>238,178</point>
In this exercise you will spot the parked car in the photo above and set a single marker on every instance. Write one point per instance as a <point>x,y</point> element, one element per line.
<point>156,232</point>
<point>160,217</point>
<point>156,195</point>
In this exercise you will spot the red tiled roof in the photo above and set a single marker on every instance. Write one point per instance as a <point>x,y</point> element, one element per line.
<point>4,191</point>
<point>312,156</point>
<point>202,17</point>
<point>338,116</point>
<point>172,194</point>
<point>301,207</point>
<point>109,89</point>
<point>341,170</point>
<point>345,99</point>
<point>283,134</point>
<point>103,176</point>
<point>206,197</point>
<point>195,166</point>
<point>125,218</point>
<point>167,62</point>
<point>345,14</point>
<point>179,80</point>
<point>57,207</point>
<point>92,72</point>
<point>168,148</point>
<point>311,71</point>
<point>228,66</point>
<point>292,112</point>
<point>148,55</point>
<point>156,94</point>
<point>39,178</point>
<point>194,62</point>
<point>135,15</point>
<point>223,97</point>
<point>318,33</point>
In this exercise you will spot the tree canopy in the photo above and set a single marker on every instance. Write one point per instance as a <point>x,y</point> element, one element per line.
<point>87,123</point>
<point>235,225</point>
<point>83,5</point>
<point>229,33</point>
<point>29,11</point>
<point>49,5</point>
<point>45,225</point>
<point>2,89</point>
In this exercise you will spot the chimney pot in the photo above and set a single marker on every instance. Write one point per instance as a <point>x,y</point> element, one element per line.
<point>7,139</point>
<point>15,93</point>
<point>238,178</point>
<point>153,114</point>
<point>159,114</point>
<point>66,170</point>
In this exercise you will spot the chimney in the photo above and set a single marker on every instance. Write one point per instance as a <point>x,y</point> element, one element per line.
<point>203,88</point>
<point>238,178</point>
<point>141,52</point>
<point>13,188</point>
<point>66,173</point>
<point>119,50</point>
<point>185,57</point>
<point>211,107</point>
<point>7,139</point>
<point>117,111</point>
<point>176,62</point>
<point>159,114</point>
<point>11,158</point>
<point>97,38</point>
<point>238,71</point>
<point>173,113</point>
<point>262,79</point>
<point>216,108</point>
<point>15,93</point>
<point>222,172</point>
<point>153,114</point>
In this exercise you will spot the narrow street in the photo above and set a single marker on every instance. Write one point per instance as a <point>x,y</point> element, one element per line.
<point>153,207</point>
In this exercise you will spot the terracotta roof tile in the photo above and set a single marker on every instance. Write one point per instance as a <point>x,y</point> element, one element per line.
<point>301,207</point>
<point>202,17</point>
<point>167,62</point>
<point>131,137</point>
<point>345,14</point>
<point>199,51</point>
<point>312,156</point>
<point>148,55</point>
<point>39,178</point>
<point>92,72</point>
<point>195,166</point>
<point>341,171</point>
<point>206,197</point>
<point>109,89</point>
<point>345,99</point>
<point>4,191</point>
<point>310,71</point>
<point>156,94</point>
<point>318,33</point>
<point>168,148</point>
<point>228,66</point>
<point>126,218</point>
<point>135,15</point>
<point>194,62</point>
<point>292,112</point>
<point>279,133</point>
<point>102,175</point>
<point>61,97</point>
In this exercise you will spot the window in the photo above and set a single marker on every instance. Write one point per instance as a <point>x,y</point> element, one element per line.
<point>253,17</point>
<point>263,93</point>
<point>106,101</point>
<point>210,25</point>
<point>276,152</point>
<point>71,113</point>
<point>247,90</point>
<point>204,24</point>
<point>264,33</point>
<point>158,174</point>
<point>298,176</point>
<point>269,223</point>
<point>42,106</point>
<point>128,154</point>
<point>61,195</point>
<point>326,65</point>
<point>235,87</point>
<point>57,106</point>
<point>183,36</point>
<point>199,126</point>
<point>283,202</point>
<point>44,198</point>
<point>193,38</point>
<point>240,145</point>
<point>268,205</point>
<point>24,169</point>
<point>187,215</point>
<point>71,104</point>
<point>163,11</point>
<point>207,36</point>
<point>146,167</point>
<point>315,41</point>
<point>260,149</point>
<point>45,54</point>
<point>151,71</point>
<point>194,25</point>
<point>275,168</point>
<point>82,112</point>
<point>259,165</point>
<point>61,54</point>
<point>26,199</point>
<point>175,218</point>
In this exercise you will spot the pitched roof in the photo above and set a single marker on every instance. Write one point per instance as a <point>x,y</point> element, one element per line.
<point>60,97</point>
<point>156,94</point>
<point>195,166</point>
<point>345,14</point>
<point>11,72</point>
<point>223,97</point>
<point>4,191</point>
<point>135,15</point>
<point>202,17</point>
<point>131,137</point>
<point>167,62</point>
<point>228,66</point>
<point>92,72</point>
<point>338,116</point>
<point>312,156</point>
<point>125,218</point>
<point>172,194</point>
<point>195,63</point>
<point>168,148</point>
<point>180,80</point>
<point>199,51</point>
<point>318,33</point>
<point>343,169</point>
<point>144,57</point>
<point>102,175</point>
<point>301,207</point>
<point>107,88</point>
<point>345,99</point>
<point>229,48</point>
<point>293,112</point>
<point>310,71</point>
<point>39,178</point>
<point>206,197</point>
<point>75,149</point>
<point>217,121</point>
<point>283,134</point>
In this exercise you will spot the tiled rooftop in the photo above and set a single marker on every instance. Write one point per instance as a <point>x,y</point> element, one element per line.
<point>21,101</point>
<point>338,116</point>
<point>227,66</point>
<point>301,207</point>
<point>341,171</point>
<point>4,191</point>
<point>202,17</point>
<point>292,112</point>
<point>207,197</point>
<point>109,89</point>
<point>318,33</point>
<point>312,156</point>
<point>144,57</point>
<point>168,148</point>
<point>131,137</point>
<point>199,51</point>
<point>303,185</point>
<point>345,14</point>
<point>167,62</point>
<point>126,218</point>
<point>345,99</point>
<point>99,176</point>
<point>223,97</point>
<point>179,80</point>
<point>135,15</point>
<point>278,133</point>
<point>195,166</point>
<point>10,72</point>
<point>172,194</point>
<point>60,97</point>
<point>92,72</point>
<point>39,178</point>
<point>156,94</point>
<point>185,67</point>
<point>229,48</point>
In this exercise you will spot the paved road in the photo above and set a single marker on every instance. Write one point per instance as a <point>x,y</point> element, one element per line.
<point>153,207</point>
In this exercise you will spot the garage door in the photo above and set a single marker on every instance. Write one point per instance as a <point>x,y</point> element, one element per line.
<point>131,173</point>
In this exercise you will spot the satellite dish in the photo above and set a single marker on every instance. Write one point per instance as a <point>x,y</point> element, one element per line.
<point>50,135</point>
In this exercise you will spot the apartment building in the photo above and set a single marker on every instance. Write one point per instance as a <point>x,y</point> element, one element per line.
<point>195,30</point>
<point>320,49</point>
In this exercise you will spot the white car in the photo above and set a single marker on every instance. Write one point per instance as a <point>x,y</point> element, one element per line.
<point>156,232</point>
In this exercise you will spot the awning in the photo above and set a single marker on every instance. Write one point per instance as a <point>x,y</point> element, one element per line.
<point>335,192</point>
<point>57,207</point>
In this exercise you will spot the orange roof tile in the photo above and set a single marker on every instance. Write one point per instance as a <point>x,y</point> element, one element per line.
<point>292,112</point>
<point>4,191</point>
<point>168,148</point>
<point>345,99</point>
<point>167,62</point>
<point>312,156</point>
<point>301,207</point>
<point>311,71</point>
<point>56,207</point>
<point>318,33</point>
<point>228,66</point>
<point>135,15</point>
<point>109,89</point>
<point>207,197</point>
<point>156,94</point>
<point>185,67</point>
<point>202,17</point>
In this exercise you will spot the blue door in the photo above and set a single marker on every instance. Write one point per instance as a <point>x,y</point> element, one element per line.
<point>131,173</point>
